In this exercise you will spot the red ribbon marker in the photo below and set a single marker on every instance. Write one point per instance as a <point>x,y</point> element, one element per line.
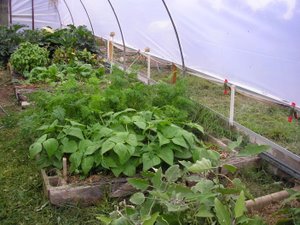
<point>293,112</point>
<point>226,87</point>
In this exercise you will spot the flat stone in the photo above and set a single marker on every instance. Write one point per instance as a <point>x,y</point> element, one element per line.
<point>25,104</point>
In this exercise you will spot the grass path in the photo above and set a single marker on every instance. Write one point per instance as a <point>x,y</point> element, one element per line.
<point>22,201</point>
<point>21,196</point>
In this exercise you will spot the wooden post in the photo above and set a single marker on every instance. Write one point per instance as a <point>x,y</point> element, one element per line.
<point>65,169</point>
<point>174,74</point>
<point>147,50</point>
<point>232,100</point>
<point>110,50</point>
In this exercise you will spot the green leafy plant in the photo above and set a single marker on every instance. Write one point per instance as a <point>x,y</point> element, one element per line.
<point>248,149</point>
<point>44,74</point>
<point>289,210</point>
<point>79,38</point>
<point>36,36</point>
<point>10,38</point>
<point>124,142</point>
<point>164,198</point>
<point>27,57</point>
<point>64,55</point>
<point>84,101</point>
<point>59,73</point>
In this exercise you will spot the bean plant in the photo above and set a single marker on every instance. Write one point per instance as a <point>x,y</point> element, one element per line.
<point>163,198</point>
<point>121,142</point>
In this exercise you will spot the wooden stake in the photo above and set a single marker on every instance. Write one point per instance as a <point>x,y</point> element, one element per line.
<point>65,169</point>
<point>147,50</point>
<point>232,99</point>
<point>110,50</point>
<point>174,74</point>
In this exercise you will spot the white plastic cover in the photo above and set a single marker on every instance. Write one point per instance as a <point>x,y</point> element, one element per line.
<point>254,44</point>
<point>45,13</point>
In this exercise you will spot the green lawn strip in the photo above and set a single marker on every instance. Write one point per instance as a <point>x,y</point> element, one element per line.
<point>21,197</point>
<point>267,119</point>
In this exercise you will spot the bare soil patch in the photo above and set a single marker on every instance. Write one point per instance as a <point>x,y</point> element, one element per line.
<point>7,95</point>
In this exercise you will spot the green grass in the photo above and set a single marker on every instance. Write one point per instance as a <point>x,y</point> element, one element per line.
<point>267,119</point>
<point>260,182</point>
<point>21,197</point>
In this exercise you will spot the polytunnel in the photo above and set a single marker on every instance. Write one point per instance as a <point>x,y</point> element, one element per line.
<point>90,90</point>
<point>252,44</point>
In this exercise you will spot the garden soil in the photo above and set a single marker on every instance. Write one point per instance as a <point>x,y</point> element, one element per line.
<point>7,96</point>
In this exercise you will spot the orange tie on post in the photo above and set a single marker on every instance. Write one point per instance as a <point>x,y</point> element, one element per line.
<point>293,112</point>
<point>226,87</point>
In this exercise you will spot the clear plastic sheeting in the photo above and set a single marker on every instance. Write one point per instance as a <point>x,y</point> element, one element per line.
<point>45,13</point>
<point>22,12</point>
<point>146,24</point>
<point>102,18</point>
<point>78,13</point>
<point>253,44</point>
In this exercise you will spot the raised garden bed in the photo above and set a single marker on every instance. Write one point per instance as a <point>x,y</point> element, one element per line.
<point>21,90</point>
<point>88,192</point>
<point>72,190</point>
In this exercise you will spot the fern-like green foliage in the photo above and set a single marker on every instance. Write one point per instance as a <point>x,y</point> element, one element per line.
<point>83,101</point>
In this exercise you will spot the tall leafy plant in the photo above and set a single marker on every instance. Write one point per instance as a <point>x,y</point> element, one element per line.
<point>10,38</point>
<point>79,38</point>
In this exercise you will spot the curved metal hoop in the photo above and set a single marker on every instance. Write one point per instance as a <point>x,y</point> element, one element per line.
<point>59,17</point>
<point>32,14</point>
<point>69,10</point>
<point>10,12</point>
<point>121,31</point>
<point>88,16</point>
<point>177,36</point>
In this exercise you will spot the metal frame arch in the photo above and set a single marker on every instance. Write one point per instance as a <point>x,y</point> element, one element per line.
<point>59,17</point>
<point>121,31</point>
<point>10,12</point>
<point>69,10</point>
<point>88,16</point>
<point>177,36</point>
<point>32,15</point>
